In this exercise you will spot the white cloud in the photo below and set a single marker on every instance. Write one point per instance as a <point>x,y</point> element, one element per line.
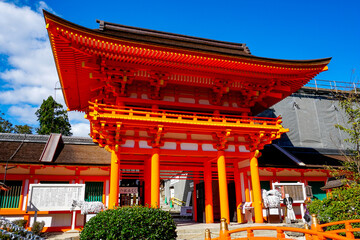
<point>24,113</point>
<point>42,5</point>
<point>80,129</point>
<point>77,117</point>
<point>30,73</point>
<point>31,95</point>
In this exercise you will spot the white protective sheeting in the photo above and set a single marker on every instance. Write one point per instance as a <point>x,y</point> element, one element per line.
<point>311,119</point>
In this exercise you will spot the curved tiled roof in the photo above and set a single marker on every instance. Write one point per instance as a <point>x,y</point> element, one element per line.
<point>172,40</point>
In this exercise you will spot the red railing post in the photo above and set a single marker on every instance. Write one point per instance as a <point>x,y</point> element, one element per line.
<point>207,234</point>
<point>307,236</point>
<point>224,230</point>
<point>349,233</point>
<point>280,233</point>
<point>250,233</point>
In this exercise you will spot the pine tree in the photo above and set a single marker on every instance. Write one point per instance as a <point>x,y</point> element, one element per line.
<point>53,118</point>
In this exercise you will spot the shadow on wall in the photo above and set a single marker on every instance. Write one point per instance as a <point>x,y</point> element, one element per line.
<point>284,141</point>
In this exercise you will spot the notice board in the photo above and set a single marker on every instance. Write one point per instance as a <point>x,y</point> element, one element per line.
<point>54,197</point>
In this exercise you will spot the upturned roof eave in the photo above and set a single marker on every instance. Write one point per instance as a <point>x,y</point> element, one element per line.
<point>243,55</point>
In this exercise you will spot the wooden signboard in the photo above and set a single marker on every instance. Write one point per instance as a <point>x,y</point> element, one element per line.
<point>295,190</point>
<point>54,197</point>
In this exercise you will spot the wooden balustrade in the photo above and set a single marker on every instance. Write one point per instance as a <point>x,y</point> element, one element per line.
<point>315,233</point>
<point>106,111</point>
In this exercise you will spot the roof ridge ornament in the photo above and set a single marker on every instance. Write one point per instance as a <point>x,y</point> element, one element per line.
<point>101,24</point>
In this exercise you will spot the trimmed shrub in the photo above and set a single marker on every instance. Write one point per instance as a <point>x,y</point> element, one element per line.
<point>128,223</point>
<point>341,204</point>
<point>20,223</point>
<point>37,227</point>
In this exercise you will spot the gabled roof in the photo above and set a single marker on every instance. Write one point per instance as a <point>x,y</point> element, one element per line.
<point>81,55</point>
<point>75,151</point>
<point>172,39</point>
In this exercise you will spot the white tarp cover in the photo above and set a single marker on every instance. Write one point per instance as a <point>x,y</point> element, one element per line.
<point>311,120</point>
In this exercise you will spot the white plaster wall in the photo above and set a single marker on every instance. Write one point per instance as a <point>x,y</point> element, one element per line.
<point>79,219</point>
<point>14,218</point>
<point>128,144</point>
<point>169,145</point>
<point>208,147</point>
<point>189,146</point>
<point>242,148</point>
<point>144,144</point>
<point>230,148</point>
<point>53,220</point>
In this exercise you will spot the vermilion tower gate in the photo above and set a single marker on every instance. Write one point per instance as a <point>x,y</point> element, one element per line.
<point>162,102</point>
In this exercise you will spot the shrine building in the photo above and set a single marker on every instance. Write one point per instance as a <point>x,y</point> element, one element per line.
<point>162,103</point>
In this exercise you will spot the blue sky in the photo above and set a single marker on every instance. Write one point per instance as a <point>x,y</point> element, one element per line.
<point>275,29</point>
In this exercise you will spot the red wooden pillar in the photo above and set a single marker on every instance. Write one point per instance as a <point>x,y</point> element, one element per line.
<point>209,212</point>
<point>246,186</point>
<point>238,192</point>
<point>255,183</point>
<point>114,180</point>
<point>155,178</point>
<point>195,181</point>
<point>147,183</point>
<point>223,188</point>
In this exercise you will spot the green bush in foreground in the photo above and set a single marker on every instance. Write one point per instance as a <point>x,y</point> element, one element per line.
<point>339,205</point>
<point>128,223</point>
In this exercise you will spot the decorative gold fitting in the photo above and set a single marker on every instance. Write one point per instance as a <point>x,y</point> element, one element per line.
<point>223,225</point>
<point>306,226</point>
<point>314,224</point>
<point>257,154</point>
<point>207,234</point>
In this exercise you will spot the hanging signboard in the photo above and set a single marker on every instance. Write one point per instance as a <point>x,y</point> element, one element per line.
<point>128,190</point>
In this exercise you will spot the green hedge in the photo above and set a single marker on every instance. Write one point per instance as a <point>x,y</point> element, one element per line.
<point>128,223</point>
<point>341,204</point>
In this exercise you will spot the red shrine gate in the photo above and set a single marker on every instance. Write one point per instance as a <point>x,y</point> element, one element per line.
<point>162,102</point>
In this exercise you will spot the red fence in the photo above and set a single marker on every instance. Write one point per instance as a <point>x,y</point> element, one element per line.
<point>315,233</point>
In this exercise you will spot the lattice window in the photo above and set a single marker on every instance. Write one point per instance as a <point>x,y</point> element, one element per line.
<point>11,198</point>
<point>94,191</point>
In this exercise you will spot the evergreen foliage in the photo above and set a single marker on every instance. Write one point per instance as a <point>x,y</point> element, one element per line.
<point>52,118</point>
<point>339,205</point>
<point>7,127</point>
<point>126,223</point>
<point>351,166</point>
